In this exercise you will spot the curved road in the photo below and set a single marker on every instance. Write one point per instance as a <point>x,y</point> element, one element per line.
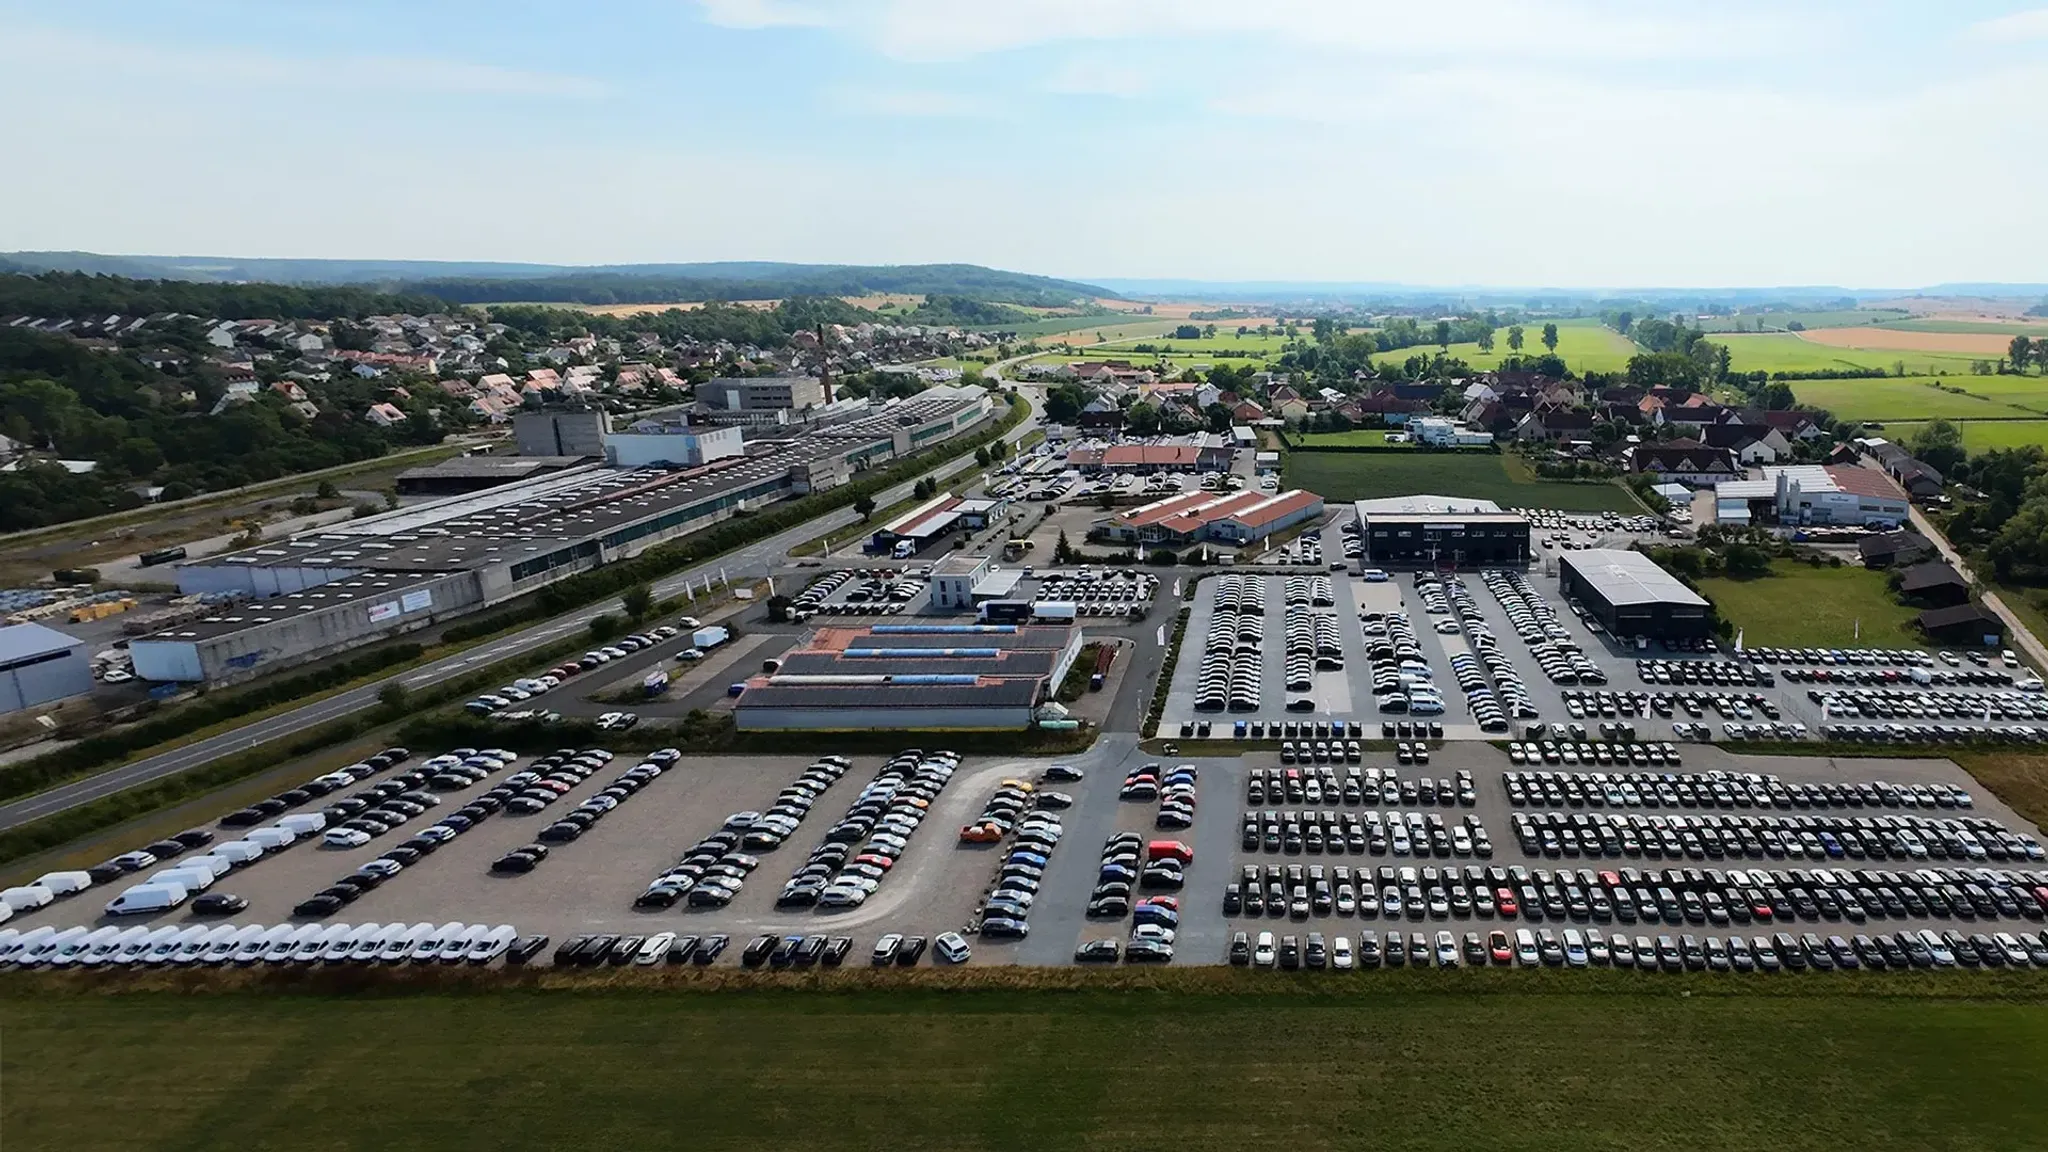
<point>757,557</point>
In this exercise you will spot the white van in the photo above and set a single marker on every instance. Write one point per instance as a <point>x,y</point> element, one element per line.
<point>399,942</point>
<point>27,897</point>
<point>219,866</point>
<point>493,944</point>
<point>110,951</point>
<point>303,823</point>
<point>222,942</point>
<point>148,898</point>
<point>239,852</point>
<point>192,943</point>
<point>194,879</point>
<point>15,949</point>
<point>339,940</point>
<point>259,949</point>
<point>75,950</point>
<point>138,948</point>
<point>273,838</point>
<point>370,940</point>
<point>283,947</point>
<point>64,883</point>
<point>455,945</point>
<point>46,950</point>
<point>312,941</point>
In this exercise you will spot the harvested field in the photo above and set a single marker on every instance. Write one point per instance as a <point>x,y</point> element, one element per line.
<point>1988,344</point>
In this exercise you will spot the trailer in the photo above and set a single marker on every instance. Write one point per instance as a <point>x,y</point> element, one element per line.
<point>1104,657</point>
<point>1055,610</point>
<point>709,638</point>
<point>160,556</point>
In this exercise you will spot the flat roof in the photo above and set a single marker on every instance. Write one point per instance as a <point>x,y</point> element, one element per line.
<point>28,641</point>
<point>1019,693</point>
<point>1424,505</point>
<point>1031,664</point>
<point>957,565</point>
<point>1030,636</point>
<point>999,584</point>
<point>370,586</point>
<point>1623,577</point>
<point>490,467</point>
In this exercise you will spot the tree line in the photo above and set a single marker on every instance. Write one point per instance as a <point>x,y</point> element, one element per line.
<point>75,294</point>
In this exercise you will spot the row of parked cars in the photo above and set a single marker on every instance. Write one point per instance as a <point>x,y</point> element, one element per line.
<point>1494,691</point>
<point>1722,836</point>
<point>1902,704</point>
<point>1005,912</point>
<point>1557,653</point>
<point>1718,789</point>
<point>112,946</point>
<point>572,825</point>
<point>1329,832</point>
<point>1324,784</point>
<point>1897,733</point>
<point>1233,665</point>
<point>1646,753</point>
<point>1402,680</point>
<point>1571,948</point>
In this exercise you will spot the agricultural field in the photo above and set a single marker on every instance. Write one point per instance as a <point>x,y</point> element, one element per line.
<point>2006,328</point>
<point>1585,344</point>
<point>1357,437</point>
<point>1345,476</point>
<point>1777,321</point>
<point>1225,343</point>
<point>1983,345</point>
<point>1792,352</point>
<point>1100,329</point>
<point>1982,435</point>
<point>1903,398</point>
<point>1798,606</point>
<point>1397,1060</point>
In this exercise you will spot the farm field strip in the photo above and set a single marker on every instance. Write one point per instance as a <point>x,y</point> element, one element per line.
<point>1340,477</point>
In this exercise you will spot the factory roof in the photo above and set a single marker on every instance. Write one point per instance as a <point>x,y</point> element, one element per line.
<point>27,641</point>
<point>895,697</point>
<point>378,588</point>
<point>1629,578</point>
<point>491,467</point>
<point>1034,663</point>
<point>1005,636</point>
<point>1425,505</point>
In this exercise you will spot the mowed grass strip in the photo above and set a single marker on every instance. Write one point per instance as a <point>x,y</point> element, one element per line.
<point>1355,438</point>
<point>1384,1069</point>
<point>1981,435</point>
<point>1346,476</point>
<point>1805,607</point>
<point>1906,398</point>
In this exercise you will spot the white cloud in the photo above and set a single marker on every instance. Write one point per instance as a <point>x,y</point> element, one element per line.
<point>1557,29</point>
<point>2014,28</point>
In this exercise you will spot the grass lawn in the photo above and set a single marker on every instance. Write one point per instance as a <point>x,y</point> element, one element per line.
<point>1778,320</point>
<point>1586,345</point>
<point>1983,435</point>
<point>1902,398</point>
<point>1280,1062</point>
<point>1786,352</point>
<point>1343,476</point>
<point>1376,437</point>
<point>1803,607</point>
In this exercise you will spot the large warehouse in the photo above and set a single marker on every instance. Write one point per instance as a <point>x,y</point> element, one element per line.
<point>39,666</point>
<point>1441,531</point>
<point>1628,594</point>
<point>366,580</point>
<point>922,676</point>
<point>1237,518</point>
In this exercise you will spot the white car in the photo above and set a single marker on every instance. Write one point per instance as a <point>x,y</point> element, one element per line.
<point>690,654</point>
<point>117,676</point>
<point>345,837</point>
<point>1341,957</point>
<point>951,947</point>
<point>1262,952</point>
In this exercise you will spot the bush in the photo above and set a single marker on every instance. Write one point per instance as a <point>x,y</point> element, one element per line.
<point>1162,558</point>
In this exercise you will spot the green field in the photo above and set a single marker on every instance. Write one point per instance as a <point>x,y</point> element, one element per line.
<point>1787,352</point>
<point>1372,437</point>
<point>1585,344</point>
<point>1882,317</point>
<point>1345,476</point>
<point>1803,607</point>
<point>1982,435</point>
<point>1279,1062</point>
<point>1905,398</point>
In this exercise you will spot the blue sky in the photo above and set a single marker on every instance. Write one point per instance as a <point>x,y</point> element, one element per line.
<point>1870,143</point>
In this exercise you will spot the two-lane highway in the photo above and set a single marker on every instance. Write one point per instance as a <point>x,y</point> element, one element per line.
<point>754,559</point>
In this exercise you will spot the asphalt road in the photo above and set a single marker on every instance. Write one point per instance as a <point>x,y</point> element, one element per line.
<point>753,559</point>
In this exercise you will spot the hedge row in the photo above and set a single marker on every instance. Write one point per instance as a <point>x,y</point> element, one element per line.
<point>51,768</point>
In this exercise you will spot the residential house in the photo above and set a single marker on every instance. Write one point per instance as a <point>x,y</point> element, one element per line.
<point>1555,424</point>
<point>1246,412</point>
<point>1391,410</point>
<point>1751,443</point>
<point>384,415</point>
<point>1288,403</point>
<point>1793,425</point>
<point>1685,461</point>
<point>1892,549</point>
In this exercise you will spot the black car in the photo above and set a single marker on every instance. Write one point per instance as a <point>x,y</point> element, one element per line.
<point>194,838</point>
<point>569,949</point>
<point>106,873</point>
<point>1148,952</point>
<point>317,906</point>
<point>165,849</point>
<point>709,948</point>
<point>514,862</point>
<point>1097,952</point>
<point>680,949</point>
<point>908,952</point>
<point>525,948</point>
<point>341,893</point>
<point>756,952</point>
<point>836,950</point>
<point>659,896</point>
<point>219,904</point>
<point>626,948</point>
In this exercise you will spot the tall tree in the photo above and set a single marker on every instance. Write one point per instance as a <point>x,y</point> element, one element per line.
<point>2020,350</point>
<point>1486,340</point>
<point>1550,337</point>
<point>1443,335</point>
<point>1515,338</point>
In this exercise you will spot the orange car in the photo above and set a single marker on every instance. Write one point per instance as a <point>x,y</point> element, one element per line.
<point>980,834</point>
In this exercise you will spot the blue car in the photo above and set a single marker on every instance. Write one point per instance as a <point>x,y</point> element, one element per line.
<point>1031,858</point>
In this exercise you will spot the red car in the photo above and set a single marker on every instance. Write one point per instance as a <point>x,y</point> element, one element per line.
<point>1172,903</point>
<point>1504,899</point>
<point>1503,953</point>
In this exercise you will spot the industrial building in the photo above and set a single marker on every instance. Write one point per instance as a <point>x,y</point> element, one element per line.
<point>466,474</point>
<point>1805,495</point>
<point>919,527</point>
<point>1235,518</point>
<point>366,580</point>
<point>39,666</point>
<point>1630,595</point>
<point>921,676</point>
<point>758,393</point>
<point>1440,531</point>
<point>954,579</point>
<point>670,442</point>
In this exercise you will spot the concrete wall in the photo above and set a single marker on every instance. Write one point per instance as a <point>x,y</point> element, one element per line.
<point>560,433</point>
<point>686,447</point>
<point>297,638</point>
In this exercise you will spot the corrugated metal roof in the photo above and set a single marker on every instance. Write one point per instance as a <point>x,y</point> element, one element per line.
<point>1629,578</point>
<point>26,641</point>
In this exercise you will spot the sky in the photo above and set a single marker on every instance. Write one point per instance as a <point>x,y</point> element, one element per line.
<point>1566,143</point>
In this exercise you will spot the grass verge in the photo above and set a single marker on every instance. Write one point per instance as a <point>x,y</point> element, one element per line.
<point>1011,1058</point>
